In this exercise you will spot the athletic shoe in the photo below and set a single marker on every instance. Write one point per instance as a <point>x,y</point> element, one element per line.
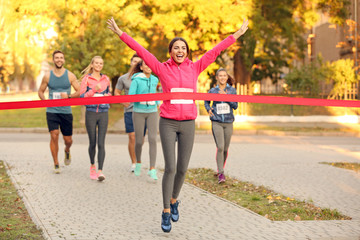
<point>101,177</point>
<point>165,222</point>
<point>57,169</point>
<point>93,174</point>
<point>152,174</point>
<point>132,169</point>
<point>137,170</point>
<point>174,211</point>
<point>67,159</point>
<point>221,178</point>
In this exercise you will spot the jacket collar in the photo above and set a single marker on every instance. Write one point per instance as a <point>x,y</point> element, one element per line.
<point>90,76</point>
<point>227,86</point>
<point>141,75</point>
<point>171,61</point>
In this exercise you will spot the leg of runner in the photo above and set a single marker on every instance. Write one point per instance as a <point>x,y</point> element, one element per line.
<point>90,124</point>
<point>54,148</point>
<point>102,129</point>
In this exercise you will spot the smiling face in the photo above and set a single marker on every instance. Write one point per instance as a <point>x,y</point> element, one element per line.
<point>97,64</point>
<point>222,78</point>
<point>179,51</point>
<point>59,60</point>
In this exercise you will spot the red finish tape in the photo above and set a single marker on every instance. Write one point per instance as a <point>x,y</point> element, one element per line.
<point>170,96</point>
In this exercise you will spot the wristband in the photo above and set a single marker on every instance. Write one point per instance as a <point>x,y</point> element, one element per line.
<point>69,96</point>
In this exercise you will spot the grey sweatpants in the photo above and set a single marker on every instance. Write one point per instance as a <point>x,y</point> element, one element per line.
<point>222,133</point>
<point>97,120</point>
<point>151,121</point>
<point>184,133</point>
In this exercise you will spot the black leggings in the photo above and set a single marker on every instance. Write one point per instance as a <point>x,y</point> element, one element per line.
<point>99,119</point>
<point>174,174</point>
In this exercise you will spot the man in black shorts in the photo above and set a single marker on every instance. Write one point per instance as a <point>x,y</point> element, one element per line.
<point>59,81</point>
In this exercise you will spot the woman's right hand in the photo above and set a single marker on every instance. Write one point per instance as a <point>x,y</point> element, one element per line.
<point>211,113</point>
<point>114,27</point>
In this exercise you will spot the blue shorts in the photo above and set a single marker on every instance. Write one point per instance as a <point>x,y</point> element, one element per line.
<point>129,126</point>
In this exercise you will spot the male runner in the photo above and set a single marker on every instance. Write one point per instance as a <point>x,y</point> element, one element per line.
<point>59,81</point>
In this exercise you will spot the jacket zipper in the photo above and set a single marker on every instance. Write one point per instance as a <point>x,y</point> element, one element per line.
<point>180,84</point>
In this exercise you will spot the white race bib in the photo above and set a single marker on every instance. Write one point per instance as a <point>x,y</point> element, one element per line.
<point>222,108</point>
<point>182,101</point>
<point>98,95</point>
<point>56,95</point>
<point>148,103</point>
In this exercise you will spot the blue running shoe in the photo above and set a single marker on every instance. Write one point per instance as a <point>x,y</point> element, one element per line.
<point>165,222</point>
<point>174,211</point>
<point>152,174</point>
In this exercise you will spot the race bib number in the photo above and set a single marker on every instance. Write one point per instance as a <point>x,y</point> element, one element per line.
<point>148,103</point>
<point>182,101</point>
<point>222,108</point>
<point>56,95</point>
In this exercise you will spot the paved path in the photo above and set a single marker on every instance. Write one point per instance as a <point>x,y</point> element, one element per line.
<point>71,206</point>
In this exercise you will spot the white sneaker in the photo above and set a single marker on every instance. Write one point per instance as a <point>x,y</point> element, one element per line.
<point>132,169</point>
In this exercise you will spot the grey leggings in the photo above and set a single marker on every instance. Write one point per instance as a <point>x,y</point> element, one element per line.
<point>99,120</point>
<point>222,135</point>
<point>140,120</point>
<point>184,132</point>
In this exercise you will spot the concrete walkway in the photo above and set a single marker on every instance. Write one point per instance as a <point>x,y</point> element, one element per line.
<point>71,206</point>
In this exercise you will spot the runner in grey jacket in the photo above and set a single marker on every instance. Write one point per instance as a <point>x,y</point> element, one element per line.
<point>222,118</point>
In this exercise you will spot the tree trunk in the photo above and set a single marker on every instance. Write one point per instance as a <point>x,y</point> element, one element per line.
<point>241,73</point>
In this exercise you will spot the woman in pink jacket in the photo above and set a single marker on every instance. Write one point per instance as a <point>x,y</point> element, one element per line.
<point>177,117</point>
<point>96,84</point>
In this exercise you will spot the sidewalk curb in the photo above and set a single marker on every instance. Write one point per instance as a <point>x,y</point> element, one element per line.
<point>37,221</point>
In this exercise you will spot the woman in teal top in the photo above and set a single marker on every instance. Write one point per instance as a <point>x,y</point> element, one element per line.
<point>144,114</point>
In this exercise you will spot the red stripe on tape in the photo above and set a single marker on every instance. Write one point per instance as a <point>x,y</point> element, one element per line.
<point>170,96</point>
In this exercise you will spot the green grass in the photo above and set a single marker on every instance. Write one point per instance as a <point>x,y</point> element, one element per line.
<point>259,199</point>
<point>15,222</point>
<point>36,117</point>
<point>346,165</point>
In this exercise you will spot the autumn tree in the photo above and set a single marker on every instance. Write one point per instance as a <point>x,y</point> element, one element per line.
<point>23,25</point>
<point>83,34</point>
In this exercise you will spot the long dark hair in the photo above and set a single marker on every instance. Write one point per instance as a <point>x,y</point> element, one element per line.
<point>136,68</point>
<point>179,39</point>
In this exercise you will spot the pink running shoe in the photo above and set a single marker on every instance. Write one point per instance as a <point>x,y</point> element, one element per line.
<point>101,177</point>
<point>93,174</point>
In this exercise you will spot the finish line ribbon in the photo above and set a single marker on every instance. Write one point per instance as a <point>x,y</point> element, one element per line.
<point>179,95</point>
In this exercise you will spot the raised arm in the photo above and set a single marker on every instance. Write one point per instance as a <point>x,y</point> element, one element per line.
<point>144,54</point>
<point>242,29</point>
<point>210,56</point>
